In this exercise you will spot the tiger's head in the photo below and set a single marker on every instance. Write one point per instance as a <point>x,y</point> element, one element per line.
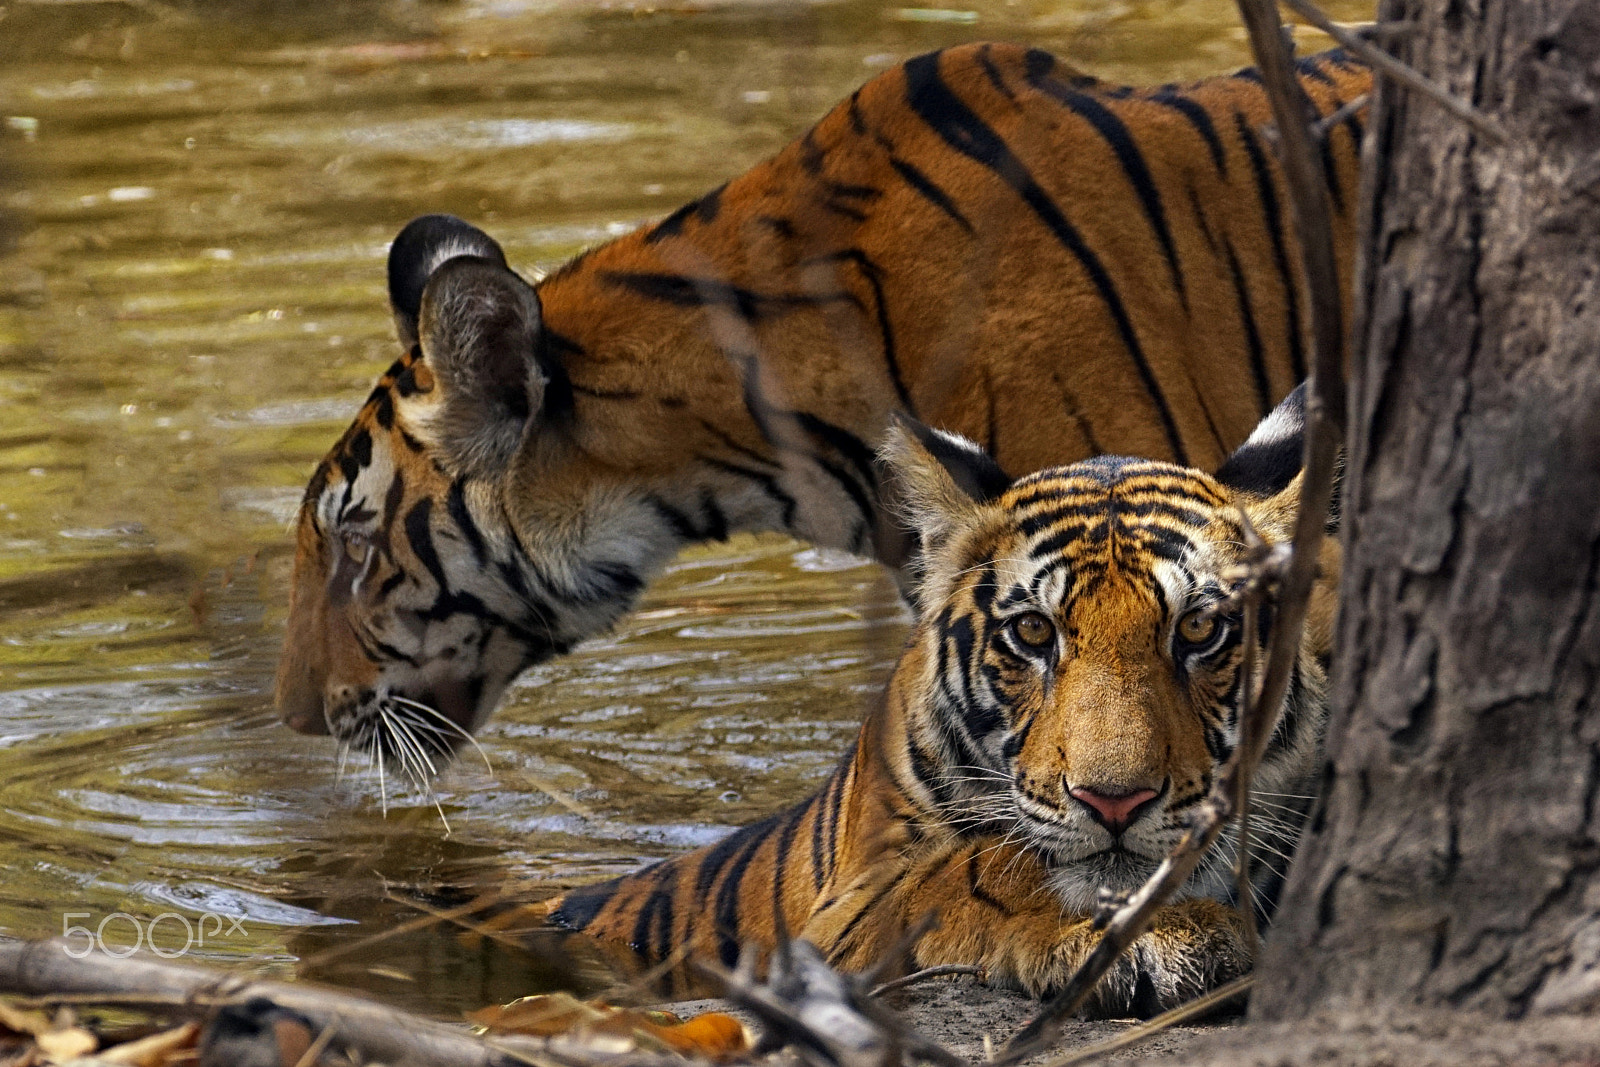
<point>455,534</point>
<point>1069,684</point>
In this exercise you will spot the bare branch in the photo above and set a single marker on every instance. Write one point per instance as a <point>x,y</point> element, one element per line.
<point>1344,111</point>
<point>1384,63</point>
<point>943,970</point>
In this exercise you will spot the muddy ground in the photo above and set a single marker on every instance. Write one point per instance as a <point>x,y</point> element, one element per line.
<point>961,1013</point>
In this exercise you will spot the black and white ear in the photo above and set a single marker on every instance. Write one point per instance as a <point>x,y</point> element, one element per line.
<point>478,325</point>
<point>421,248</point>
<point>1269,461</point>
<point>1267,466</point>
<point>937,480</point>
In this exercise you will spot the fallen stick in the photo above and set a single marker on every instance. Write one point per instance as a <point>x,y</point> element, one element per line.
<point>44,970</point>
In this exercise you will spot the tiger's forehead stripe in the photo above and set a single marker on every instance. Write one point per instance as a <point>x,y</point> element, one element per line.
<point>1078,525</point>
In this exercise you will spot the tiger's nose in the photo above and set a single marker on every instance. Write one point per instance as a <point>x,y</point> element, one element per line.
<point>1116,811</point>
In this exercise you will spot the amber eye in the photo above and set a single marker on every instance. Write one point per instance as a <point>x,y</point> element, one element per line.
<point>1197,627</point>
<point>356,545</point>
<point>1033,629</point>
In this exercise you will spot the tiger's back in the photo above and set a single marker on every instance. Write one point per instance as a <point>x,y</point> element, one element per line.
<point>1048,265</point>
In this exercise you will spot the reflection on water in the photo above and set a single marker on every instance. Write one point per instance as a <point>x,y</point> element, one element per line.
<point>197,199</point>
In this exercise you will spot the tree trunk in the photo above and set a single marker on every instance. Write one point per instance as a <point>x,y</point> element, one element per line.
<point>1455,861</point>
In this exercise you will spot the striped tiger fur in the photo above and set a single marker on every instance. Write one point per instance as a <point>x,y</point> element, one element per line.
<point>980,238</point>
<point>1062,704</point>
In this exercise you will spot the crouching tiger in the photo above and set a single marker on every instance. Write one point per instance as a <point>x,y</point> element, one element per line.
<point>1063,702</point>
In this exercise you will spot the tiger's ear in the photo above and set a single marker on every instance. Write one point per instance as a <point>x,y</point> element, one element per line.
<point>424,246</point>
<point>479,330</point>
<point>937,480</point>
<point>1267,467</point>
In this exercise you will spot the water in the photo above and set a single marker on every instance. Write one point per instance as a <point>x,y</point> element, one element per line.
<point>195,202</point>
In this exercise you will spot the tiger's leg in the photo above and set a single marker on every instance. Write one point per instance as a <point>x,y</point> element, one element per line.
<point>995,909</point>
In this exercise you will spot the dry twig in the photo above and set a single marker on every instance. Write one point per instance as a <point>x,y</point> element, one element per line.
<point>942,970</point>
<point>829,1018</point>
<point>1384,63</point>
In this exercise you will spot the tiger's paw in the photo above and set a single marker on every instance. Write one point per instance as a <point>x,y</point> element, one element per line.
<point>1191,948</point>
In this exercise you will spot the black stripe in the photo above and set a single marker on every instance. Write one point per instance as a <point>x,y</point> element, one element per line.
<point>684,291</point>
<point>680,523</point>
<point>930,774</point>
<point>716,519</point>
<point>1200,119</point>
<point>931,191</point>
<point>726,915</point>
<point>1081,511</point>
<point>819,856</point>
<point>858,495</point>
<point>780,860</point>
<point>1252,333</point>
<point>1310,67</point>
<point>382,402</point>
<point>996,79</point>
<point>767,483</point>
<point>1201,220</point>
<point>843,442</point>
<point>1121,141</point>
<point>666,916</point>
<point>356,456</point>
<point>420,537</point>
<point>461,515</point>
<point>391,502</point>
<point>835,802</point>
<point>810,154</point>
<point>854,214</point>
<point>874,277</point>
<point>868,193</point>
<point>580,907</point>
<point>975,887</point>
<point>964,131</point>
<point>782,228</point>
<point>611,394</point>
<point>705,210</point>
<point>991,437</point>
<point>1274,221</point>
<point>843,940</point>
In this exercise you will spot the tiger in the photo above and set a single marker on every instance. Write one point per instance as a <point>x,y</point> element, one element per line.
<point>980,238</point>
<point>1065,700</point>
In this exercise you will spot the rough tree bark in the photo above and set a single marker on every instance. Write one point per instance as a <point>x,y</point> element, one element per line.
<point>1455,863</point>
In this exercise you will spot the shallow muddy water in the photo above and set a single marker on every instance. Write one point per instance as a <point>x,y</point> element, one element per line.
<point>195,203</point>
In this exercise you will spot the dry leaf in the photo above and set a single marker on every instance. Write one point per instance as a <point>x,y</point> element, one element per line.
<point>155,1050</point>
<point>711,1035</point>
<point>541,1016</point>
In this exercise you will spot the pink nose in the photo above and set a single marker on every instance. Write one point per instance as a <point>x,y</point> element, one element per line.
<point>1115,811</point>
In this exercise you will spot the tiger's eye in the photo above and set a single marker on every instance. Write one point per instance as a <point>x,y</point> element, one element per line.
<point>1033,629</point>
<point>356,546</point>
<point>1197,627</point>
